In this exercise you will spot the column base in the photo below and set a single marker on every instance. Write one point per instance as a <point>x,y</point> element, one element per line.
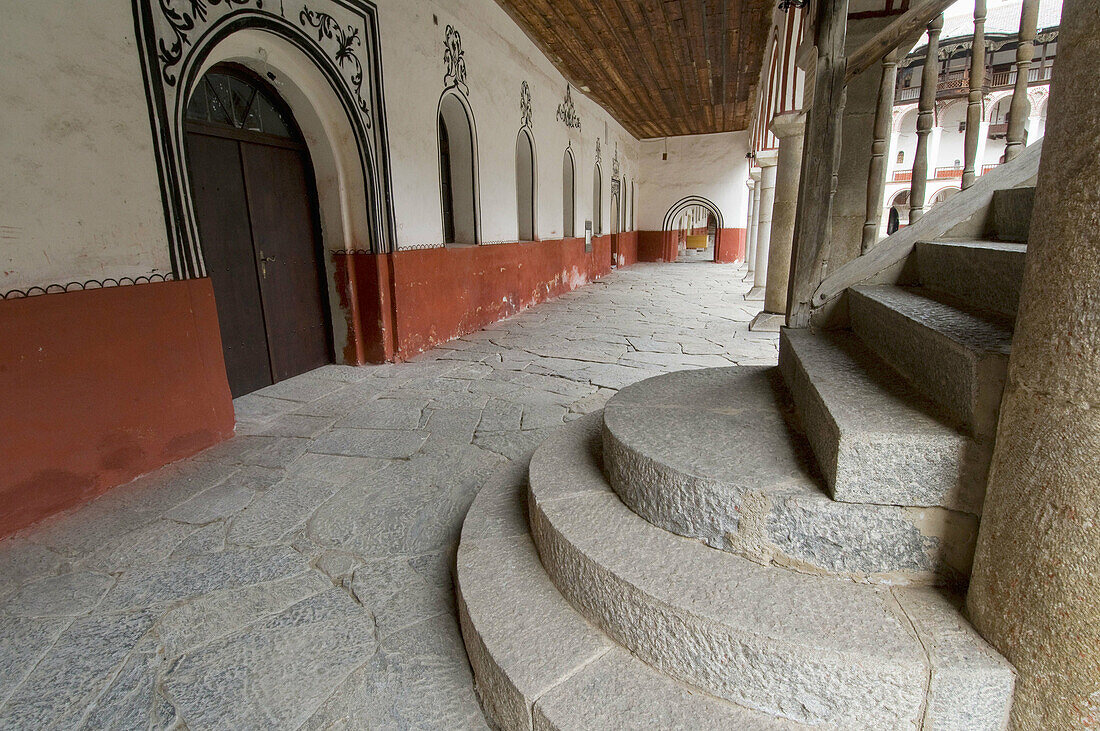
<point>756,294</point>
<point>767,322</point>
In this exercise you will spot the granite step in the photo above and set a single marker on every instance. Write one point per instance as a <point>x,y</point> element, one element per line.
<point>986,275</point>
<point>537,662</point>
<point>1010,214</point>
<point>876,439</point>
<point>956,357</point>
<point>711,454</point>
<point>815,650</point>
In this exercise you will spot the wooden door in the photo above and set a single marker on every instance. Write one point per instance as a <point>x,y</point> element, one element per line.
<point>283,234</point>
<point>254,201</point>
<point>221,207</point>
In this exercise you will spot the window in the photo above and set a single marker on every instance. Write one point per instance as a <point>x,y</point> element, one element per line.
<point>525,185</point>
<point>597,200</point>
<point>457,171</point>
<point>568,195</point>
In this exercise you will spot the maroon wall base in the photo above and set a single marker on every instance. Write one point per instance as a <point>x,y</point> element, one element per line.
<point>731,246</point>
<point>101,386</point>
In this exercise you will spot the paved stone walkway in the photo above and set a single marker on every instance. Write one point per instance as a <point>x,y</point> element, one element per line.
<point>299,575</point>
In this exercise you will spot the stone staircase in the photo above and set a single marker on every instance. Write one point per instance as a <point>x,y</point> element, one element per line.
<point>763,548</point>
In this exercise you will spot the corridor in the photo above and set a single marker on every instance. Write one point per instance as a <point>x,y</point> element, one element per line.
<point>299,575</point>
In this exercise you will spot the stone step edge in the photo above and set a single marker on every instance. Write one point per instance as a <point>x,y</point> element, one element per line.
<point>842,446</point>
<point>701,507</point>
<point>503,684</point>
<point>943,672</point>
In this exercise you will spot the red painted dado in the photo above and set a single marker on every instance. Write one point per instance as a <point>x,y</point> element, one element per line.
<point>661,246</point>
<point>100,386</point>
<point>401,304</point>
<point>731,246</point>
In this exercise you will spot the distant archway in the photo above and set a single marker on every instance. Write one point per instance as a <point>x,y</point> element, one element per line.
<point>684,204</point>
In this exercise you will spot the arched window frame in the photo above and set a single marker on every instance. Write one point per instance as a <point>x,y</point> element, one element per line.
<point>569,212</point>
<point>475,190</point>
<point>597,200</point>
<point>525,132</point>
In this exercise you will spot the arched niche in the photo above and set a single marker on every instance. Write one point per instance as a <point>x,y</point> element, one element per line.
<point>568,194</point>
<point>597,200</point>
<point>526,185</point>
<point>682,213</point>
<point>458,170</point>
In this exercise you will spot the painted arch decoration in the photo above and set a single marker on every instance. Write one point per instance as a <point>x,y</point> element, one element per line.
<point>340,37</point>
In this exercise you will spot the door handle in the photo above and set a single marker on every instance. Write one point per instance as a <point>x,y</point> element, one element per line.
<point>264,261</point>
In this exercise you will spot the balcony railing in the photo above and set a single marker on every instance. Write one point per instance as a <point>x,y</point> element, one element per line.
<point>903,176</point>
<point>949,173</point>
<point>987,168</point>
<point>954,83</point>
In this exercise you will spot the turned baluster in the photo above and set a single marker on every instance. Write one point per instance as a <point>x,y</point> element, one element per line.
<point>880,147</point>
<point>974,101</point>
<point>1025,52</point>
<point>926,113</point>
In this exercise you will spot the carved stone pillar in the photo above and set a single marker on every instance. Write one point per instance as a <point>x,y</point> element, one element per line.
<point>768,162</point>
<point>754,225</point>
<point>789,128</point>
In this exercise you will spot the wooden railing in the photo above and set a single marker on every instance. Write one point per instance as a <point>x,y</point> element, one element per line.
<point>821,156</point>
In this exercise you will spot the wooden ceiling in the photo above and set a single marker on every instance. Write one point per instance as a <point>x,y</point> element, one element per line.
<point>661,67</point>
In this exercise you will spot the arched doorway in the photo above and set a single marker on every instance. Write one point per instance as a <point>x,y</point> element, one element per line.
<point>698,216</point>
<point>457,170</point>
<point>255,204</point>
<point>525,185</point>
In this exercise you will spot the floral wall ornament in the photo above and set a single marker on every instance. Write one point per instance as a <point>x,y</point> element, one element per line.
<point>328,28</point>
<point>525,105</point>
<point>615,163</point>
<point>567,113</point>
<point>180,24</point>
<point>599,154</point>
<point>455,59</point>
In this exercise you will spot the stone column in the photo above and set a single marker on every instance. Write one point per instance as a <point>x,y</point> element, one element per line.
<point>768,163</point>
<point>1035,589</point>
<point>754,225</point>
<point>789,128</point>
<point>751,203</point>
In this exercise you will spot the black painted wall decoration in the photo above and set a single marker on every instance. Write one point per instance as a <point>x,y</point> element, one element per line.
<point>599,154</point>
<point>455,59</point>
<point>346,41</point>
<point>567,113</point>
<point>340,37</point>
<point>525,112</point>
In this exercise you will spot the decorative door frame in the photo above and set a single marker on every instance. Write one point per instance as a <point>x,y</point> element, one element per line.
<point>340,37</point>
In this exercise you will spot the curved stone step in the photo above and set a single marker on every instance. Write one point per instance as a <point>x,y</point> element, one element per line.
<point>876,439</point>
<point>537,662</point>
<point>985,274</point>
<point>708,454</point>
<point>808,648</point>
<point>955,357</point>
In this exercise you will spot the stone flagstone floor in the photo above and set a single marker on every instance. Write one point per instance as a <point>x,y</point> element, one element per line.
<point>299,575</point>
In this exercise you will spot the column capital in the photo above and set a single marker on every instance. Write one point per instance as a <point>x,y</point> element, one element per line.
<point>788,125</point>
<point>767,159</point>
<point>754,174</point>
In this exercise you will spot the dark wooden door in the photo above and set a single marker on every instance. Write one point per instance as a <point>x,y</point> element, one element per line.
<point>221,207</point>
<point>283,232</point>
<point>255,204</point>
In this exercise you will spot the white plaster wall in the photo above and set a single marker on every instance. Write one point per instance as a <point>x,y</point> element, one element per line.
<point>712,166</point>
<point>79,197</point>
<point>499,58</point>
